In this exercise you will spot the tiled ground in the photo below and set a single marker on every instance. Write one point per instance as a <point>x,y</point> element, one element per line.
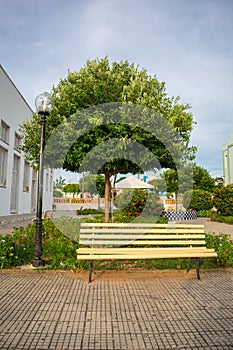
<point>118,310</point>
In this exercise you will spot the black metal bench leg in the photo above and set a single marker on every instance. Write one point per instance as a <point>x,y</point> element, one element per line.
<point>90,271</point>
<point>190,264</point>
<point>197,262</point>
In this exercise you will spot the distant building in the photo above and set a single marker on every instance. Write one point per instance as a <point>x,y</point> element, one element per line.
<point>18,181</point>
<point>227,152</point>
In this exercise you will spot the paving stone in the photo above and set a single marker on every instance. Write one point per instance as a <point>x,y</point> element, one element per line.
<point>147,310</point>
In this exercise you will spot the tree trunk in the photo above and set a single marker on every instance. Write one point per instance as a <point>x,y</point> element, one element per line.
<point>176,197</point>
<point>113,193</point>
<point>107,194</point>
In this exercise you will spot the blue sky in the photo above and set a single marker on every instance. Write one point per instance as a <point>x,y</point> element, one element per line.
<point>186,43</point>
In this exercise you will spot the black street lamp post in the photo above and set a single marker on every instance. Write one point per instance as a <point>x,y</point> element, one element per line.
<point>42,105</point>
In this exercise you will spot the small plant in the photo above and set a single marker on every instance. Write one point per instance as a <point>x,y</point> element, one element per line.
<point>8,252</point>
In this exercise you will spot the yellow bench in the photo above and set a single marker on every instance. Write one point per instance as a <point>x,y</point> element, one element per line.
<point>122,241</point>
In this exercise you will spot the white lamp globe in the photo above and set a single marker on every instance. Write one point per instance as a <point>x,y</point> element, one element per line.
<point>43,102</point>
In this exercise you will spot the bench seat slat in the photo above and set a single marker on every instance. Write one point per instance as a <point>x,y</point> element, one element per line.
<point>140,250</point>
<point>158,255</point>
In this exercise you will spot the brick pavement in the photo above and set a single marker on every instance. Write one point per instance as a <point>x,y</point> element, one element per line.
<point>118,310</point>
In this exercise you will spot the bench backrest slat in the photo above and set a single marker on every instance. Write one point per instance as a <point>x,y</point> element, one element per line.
<point>139,230</point>
<point>114,236</point>
<point>126,225</point>
<point>130,242</point>
<point>120,234</point>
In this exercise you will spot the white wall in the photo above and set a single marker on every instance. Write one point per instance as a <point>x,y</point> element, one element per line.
<point>227,152</point>
<point>13,111</point>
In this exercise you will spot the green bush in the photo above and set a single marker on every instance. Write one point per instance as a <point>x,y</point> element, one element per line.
<point>220,218</point>
<point>139,202</point>
<point>197,200</point>
<point>88,211</point>
<point>204,213</point>
<point>223,200</point>
<point>223,245</point>
<point>17,248</point>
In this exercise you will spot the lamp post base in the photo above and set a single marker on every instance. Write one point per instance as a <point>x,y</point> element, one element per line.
<point>38,262</point>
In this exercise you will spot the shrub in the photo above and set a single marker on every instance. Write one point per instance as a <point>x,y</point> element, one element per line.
<point>139,202</point>
<point>197,200</point>
<point>223,245</point>
<point>17,248</point>
<point>8,252</point>
<point>58,249</point>
<point>223,200</point>
<point>88,211</point>
<point>220,218</point>
<point>204,213</point>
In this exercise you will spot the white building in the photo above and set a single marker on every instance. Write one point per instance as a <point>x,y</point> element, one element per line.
<point>18,181</point>
<point>227,152</point>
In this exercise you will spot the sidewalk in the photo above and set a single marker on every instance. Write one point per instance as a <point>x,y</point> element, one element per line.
<point>118,310</point>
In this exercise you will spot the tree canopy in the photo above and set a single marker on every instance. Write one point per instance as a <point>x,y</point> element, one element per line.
<point>59,183</point>
<point>171,183</point>
<point>95,184</point>
<point>116,137</point>
<point>71,188</point>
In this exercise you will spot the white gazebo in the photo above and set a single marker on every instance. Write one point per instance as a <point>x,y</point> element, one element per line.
<point>131,182</point>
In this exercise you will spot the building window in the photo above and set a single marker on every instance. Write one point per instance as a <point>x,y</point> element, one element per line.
<point>47,182</point>
<point>5,132</point>
<point>3,166</point>
<point>51,183</point>
<point>17,142</point>
<point>26,175</point>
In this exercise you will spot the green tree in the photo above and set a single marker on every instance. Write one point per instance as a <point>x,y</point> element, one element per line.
<point>170,182</point>
<point>100,82</point>
<point>95,184</point>
<point>71,188</point>
<point>58,194</point>
<point>59,183</point>
<point>202,179</point>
